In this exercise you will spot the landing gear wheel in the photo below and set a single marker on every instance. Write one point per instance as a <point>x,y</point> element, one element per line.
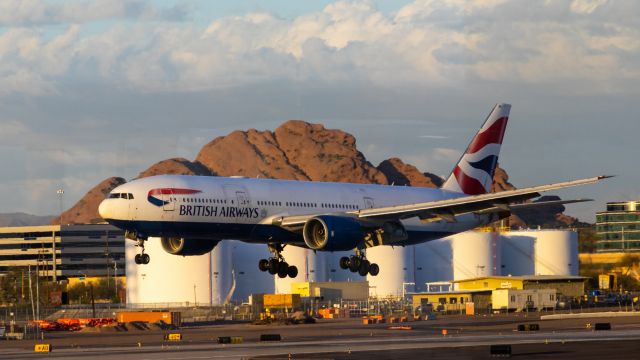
<point>354,263</point>
<point>344,263</point>
<point>374,269</point>
<point>283,267</point>
<point>273,266</point>
<point>138,259</point>
<point>363,270</point>
<point>145,258</point>
<point>292,271</point>
<point>283,270</point>
<point>263,265</point>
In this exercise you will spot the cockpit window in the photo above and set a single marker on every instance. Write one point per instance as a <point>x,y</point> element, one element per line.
<point>121,196</point>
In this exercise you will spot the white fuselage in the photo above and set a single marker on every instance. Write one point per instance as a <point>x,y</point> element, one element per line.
<point>219,208</point>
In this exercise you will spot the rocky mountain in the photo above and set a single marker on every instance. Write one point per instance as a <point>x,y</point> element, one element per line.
<point>401,174</point>
<point>300,151</point>
<point>296,150</point>
<point>22,219</point>
<point>176,166</point>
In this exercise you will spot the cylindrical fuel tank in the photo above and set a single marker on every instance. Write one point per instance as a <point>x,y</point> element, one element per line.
<point>170,280</point>
<point>555,251</point>
<point>475,254</point>
<point>517,253</point>
<point>222,277</point>
<point>433,262</point>
<point>396,271</point>
<point>248,277</point>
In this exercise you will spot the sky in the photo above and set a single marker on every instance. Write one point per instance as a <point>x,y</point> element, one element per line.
<point>93,89</point>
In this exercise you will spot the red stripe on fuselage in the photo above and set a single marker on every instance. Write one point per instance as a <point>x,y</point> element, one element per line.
<point>468,185</point>
<point>170,191</point>
<point>493,135</point>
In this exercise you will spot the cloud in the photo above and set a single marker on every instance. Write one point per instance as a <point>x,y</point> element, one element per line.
<point>91,89</point>
<point>11,128</point>
<point>586,6</point>
<point>425,42</point>
<point>38,12</point>
<point>434,137</point>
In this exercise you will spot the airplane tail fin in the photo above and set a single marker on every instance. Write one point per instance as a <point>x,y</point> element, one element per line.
<point>473,175</point>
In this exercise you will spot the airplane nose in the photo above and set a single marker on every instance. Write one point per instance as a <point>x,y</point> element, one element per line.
<point>105,209</point>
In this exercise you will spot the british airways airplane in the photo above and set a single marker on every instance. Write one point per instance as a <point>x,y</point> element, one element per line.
<point>191,214</point>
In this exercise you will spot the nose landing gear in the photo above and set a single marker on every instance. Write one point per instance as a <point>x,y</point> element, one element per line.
<point>276,264</point>
<point>358,263</point>
<point>141,258</point>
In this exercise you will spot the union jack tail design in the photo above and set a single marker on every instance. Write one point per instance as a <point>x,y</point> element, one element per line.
<point>473,175</point>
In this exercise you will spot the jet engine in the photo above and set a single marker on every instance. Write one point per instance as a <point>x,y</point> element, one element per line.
<point>332,233</point>
<point>187,247</point>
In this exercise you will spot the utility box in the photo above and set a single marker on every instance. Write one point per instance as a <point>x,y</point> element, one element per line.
<point>281,300</point>
<point>168,317</point>
<point>470,308</point>
<point>607,282</point>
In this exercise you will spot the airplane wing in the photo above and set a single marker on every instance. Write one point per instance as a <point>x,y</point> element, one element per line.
<point>450,208</point>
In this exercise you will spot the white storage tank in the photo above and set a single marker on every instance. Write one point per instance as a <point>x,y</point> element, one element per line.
<point>555,251</point>
<point>396,271</point>
<point>311,268</point>
<point>170,280</point>
<point>222,277</point>
<point>248,279</point>
<point>517,253</point>
<point>433,262</point>
<point>475,254</point>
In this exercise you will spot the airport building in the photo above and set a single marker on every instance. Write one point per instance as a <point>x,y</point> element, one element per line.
<point>507,293</point>
<point>61,252</point>
<point>618,227</point>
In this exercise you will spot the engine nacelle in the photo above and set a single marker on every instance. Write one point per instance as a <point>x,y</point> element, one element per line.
<point>188,247</point>
<point>332,233</point>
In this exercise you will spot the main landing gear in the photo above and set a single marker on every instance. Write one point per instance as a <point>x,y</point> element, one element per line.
<point>141,258</point>
<point>358,263</point>
<point>276,264</point>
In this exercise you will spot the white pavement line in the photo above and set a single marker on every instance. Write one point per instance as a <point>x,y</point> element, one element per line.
<point>589,315</point>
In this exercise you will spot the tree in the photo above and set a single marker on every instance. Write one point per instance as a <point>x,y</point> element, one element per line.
<point>628,261</point>
<point>587,239</point>
<point>10,286</point>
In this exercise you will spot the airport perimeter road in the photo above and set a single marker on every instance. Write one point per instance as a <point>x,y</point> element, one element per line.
<point>347,339</point>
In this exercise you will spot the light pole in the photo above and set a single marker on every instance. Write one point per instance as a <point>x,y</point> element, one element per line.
<point>60,193</point>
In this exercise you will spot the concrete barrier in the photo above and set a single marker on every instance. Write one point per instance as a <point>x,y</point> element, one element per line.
<point>602,326</point>
<point>230,340</point>
<point>270,337</point>
<point>528,327</point>
<point>500,350</point>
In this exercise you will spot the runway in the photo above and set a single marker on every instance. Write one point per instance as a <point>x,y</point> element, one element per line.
<point>350,340</point>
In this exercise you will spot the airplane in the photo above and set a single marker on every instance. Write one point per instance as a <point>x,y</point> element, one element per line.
<point>192,214</point>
